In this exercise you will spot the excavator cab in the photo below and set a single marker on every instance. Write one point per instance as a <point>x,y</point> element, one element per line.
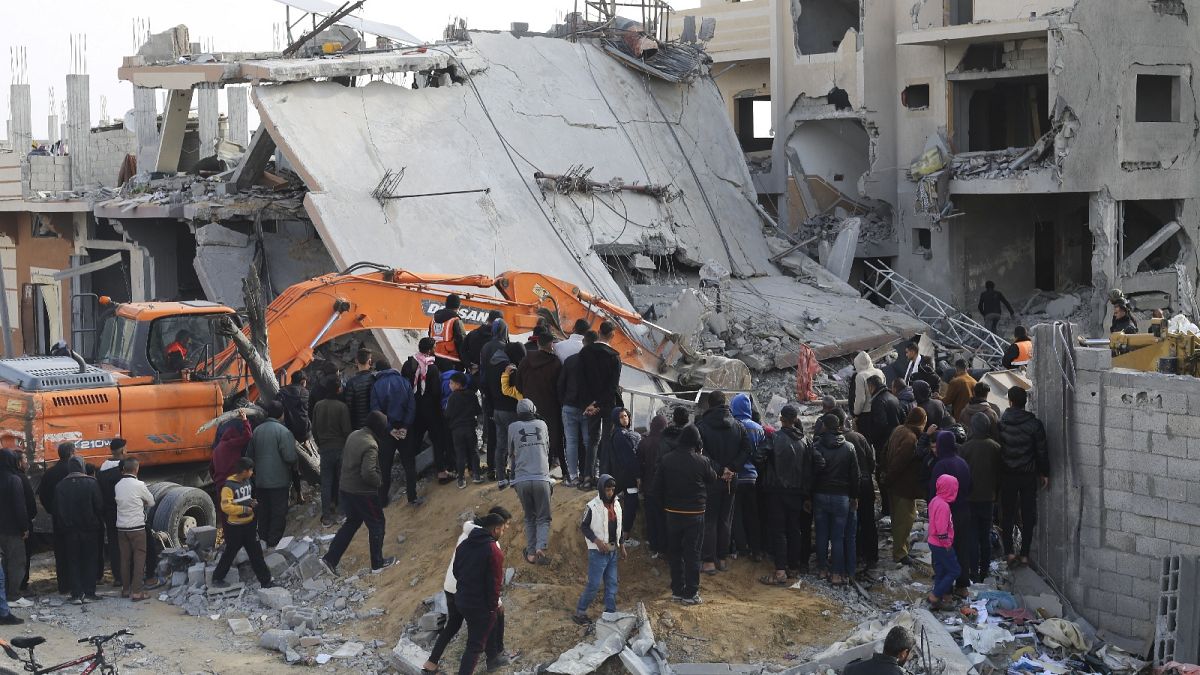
<point>167,341</point>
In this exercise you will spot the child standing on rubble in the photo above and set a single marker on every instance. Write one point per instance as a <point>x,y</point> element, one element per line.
<point>941,539</point>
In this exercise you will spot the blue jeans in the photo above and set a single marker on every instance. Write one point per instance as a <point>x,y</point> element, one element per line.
<point>4,610</point>
<point>829,515</point>
<point>850,543</point>
<point>945,570</point>
<point>601,567</point>
<point>576,431</point>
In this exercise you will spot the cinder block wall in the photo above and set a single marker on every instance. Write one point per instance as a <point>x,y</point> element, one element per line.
<point>1125,486</point>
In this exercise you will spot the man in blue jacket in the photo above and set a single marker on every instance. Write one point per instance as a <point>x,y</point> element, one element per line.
<point>393,396</point>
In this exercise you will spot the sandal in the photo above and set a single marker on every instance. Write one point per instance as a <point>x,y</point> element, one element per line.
<point>138,597</point>
<point>772,580</point>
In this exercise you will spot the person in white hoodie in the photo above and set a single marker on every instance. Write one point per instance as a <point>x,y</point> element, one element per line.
<point>133,499</point>
<point>864,368</point>
<point>454,620</point>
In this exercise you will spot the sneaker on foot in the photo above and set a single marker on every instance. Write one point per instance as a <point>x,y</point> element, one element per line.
<point>91,597</point>
<point>499,661</point>
<point>676,598</point>
<point>462,483</point>
<point>383,565</point>
<point>477,479</point>
<point>325,564</point>
<point>694,600</point>
<point>76,600</point>
<point>266,584</point>
<point>11,619</point>
<point>581,619</point>
<point>501,484</point>
<point>416,502</point>
<point>219,583</point>
<point>21,603</point>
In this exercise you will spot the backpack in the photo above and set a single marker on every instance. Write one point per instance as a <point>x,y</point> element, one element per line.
<point>295,415</point>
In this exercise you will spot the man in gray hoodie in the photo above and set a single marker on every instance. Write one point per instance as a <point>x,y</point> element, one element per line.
<point>529,442</point>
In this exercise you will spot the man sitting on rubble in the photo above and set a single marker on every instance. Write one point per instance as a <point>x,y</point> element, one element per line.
<point>897,648</point>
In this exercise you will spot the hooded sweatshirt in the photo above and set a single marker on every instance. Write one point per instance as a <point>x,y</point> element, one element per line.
<point>496,366</point>
<point>15,518</point>
<point>537,379</point>
<point>602,517</point>
<point>949,463</point>
<point>725,440</point>
<point>741,409</point>
<point>864,370</point>
<point>840,476</point>
<point>934,410</point>
<point>649,450</point>
<point>499,338</point>
<point>904,467</point>
<point>941,523</point>
<point>624,460</point>
<point>478,571</point>
<point>600,375</point>
<point>982,455</point>
<point>981,405</point>
<point>529,441</point>
<point>392,394</point>
<point>907,399</point>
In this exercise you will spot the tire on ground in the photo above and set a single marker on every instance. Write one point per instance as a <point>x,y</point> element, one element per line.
<point>181,509</point>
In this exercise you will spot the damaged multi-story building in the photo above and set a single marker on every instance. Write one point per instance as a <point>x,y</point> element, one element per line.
<point>1044,145</point>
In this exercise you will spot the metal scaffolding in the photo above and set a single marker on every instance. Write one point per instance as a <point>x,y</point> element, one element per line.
<point>949,326</point>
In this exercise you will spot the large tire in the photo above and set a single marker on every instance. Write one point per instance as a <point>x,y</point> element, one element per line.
<point>180,509</point>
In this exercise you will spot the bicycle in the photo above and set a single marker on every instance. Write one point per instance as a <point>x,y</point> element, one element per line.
<point>95,661</point>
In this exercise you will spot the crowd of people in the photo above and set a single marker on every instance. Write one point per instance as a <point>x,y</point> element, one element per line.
<point>711,482</point>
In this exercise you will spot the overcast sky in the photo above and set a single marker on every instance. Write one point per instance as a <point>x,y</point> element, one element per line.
<point>44,30</point>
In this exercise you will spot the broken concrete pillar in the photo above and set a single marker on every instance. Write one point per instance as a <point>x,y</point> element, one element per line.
<point>21,133</point>
<point>175,118</point>
<point>145,119</point>
<point>79,122</point>
<point>1103,221</point>
<point>208,114</point>
<point>239,121</point>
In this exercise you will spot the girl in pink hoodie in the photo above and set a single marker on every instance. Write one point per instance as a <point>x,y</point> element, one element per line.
<point>941,540</point>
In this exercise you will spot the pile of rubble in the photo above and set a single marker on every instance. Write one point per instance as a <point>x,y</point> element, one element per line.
<point>292,617</point>
<point>1067,305</point>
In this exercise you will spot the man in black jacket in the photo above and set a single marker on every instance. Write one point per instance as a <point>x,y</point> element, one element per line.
<point>575,424</point>
<point>728,446</point>
<point>46,494</point>
<point>15,523</point>
<point>478,569</point>
<point>107,476</point>
<point>885,415</point>
<point>787,479</point>
<point>600,377</point>
<point>835,497</point>
<point>357,393</point>
<point>79,511</point>
<point>682,483</point>
<point>897,648</point>
<point>1025,463</point>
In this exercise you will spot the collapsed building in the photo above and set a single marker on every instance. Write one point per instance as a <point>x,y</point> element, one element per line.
<point>1045,146</point>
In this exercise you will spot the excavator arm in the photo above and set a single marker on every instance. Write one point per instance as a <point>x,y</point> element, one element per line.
<point>326,307</point>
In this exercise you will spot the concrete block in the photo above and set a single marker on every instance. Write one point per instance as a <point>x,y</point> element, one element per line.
<point>1136,524</point>
<point>431,621</point>
<point>241,626</point>
<point>1103,602</point>
<point>1093,359</point>
<point>1184,469</point>
<point>407,657</point>
<point>295,617</point>
<point>277,563</point>
<point>1100,558</point>
<point>1154,508</point>
<point>310,567</point>
<point>1193,448</point>
<point>1184,513</point>
<point>1089,537</point>
<point>637,665</point>
<point>349,650</point>
<point>1120,541</point>
<point>1088,454</point>
<point>275,597</point>
<point>1086,433</point>
<point>179,578</point>
<point>195,574</point>
<point>1170,489</point>
<point>278,639</point>
<point>1169,445</point>
<point>1153,546</point>
<point>1183,424</point>
<point>1115,582</point>
<point>1134,565</point>
<point>1134,608</point>
<point>297,550</point>
<point>284,542</point>
<point>1173,531</point>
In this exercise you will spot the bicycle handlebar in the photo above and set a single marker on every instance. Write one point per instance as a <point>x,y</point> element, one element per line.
<point>101,639</point>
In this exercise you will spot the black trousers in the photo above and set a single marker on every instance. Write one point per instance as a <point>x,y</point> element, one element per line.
<point>431,422</point>
<point>387,459</point>
<point>656,523</point>
<point>718,521</point>
<point>454,622</point>
<point>238,537</point>
<point>747,531</point>
<point>61,572</point>
<point>791,531</point>
<point>82,548</point>
<point>629,511</point>
<point>489,433</point>
<point>684,535</point>
<point>112,549</point>
<point>980,558</point>
<point>867,539</point>
<point>271,513</point>
<point>1018,492</point>
<point>360,510</point>
<point>479,627</point>
<point>466,451</point>
<point>600,430</point>
<point>964,541</point>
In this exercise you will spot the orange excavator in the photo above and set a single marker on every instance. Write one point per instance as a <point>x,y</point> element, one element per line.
<point>165,370</point>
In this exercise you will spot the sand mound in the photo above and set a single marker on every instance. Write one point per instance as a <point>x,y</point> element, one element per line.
<point>741,620</point>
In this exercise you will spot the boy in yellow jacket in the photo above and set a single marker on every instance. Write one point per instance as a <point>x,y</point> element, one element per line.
<point>240,532</point>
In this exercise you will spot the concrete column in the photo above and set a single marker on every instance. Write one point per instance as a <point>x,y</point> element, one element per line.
<point>207,111</point>
<point>62,131</point>
<point>79,122</point>
<point>52,129</point>
<point>1104,222</point>
<point>145,119</point>
<point>22,126</point>
<point>239,121</point>
<point>175,118</point>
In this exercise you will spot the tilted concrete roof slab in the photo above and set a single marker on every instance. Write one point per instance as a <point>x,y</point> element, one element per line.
<point>342,65</point>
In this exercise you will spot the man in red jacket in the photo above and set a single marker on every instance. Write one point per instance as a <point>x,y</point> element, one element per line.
<point>479,572</point>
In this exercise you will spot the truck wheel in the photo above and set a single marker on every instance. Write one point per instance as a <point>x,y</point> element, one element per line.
<point>181,509</point>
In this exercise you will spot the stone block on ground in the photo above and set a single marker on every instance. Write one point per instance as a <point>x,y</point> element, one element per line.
<point>179,579</point>
<point>638,665</point>
<point>241,626</point>
<point>195,575</point>
<point>278,639</point>
<point>277,563</point>
<point>408,657</point>
<point>310,567</point>
<point>232,590</point>
<point>295,617</point>
<point>202,538</point>
<point>431,621</point>
<point>349,650</point>
<point>284,543</point>
<point>297,550</point>
<point>275,597</point>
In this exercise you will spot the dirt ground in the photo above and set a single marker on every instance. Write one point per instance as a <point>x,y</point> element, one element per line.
<point>741,621</point>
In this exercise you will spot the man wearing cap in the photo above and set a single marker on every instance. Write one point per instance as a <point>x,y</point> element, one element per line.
<point>682,482</point>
